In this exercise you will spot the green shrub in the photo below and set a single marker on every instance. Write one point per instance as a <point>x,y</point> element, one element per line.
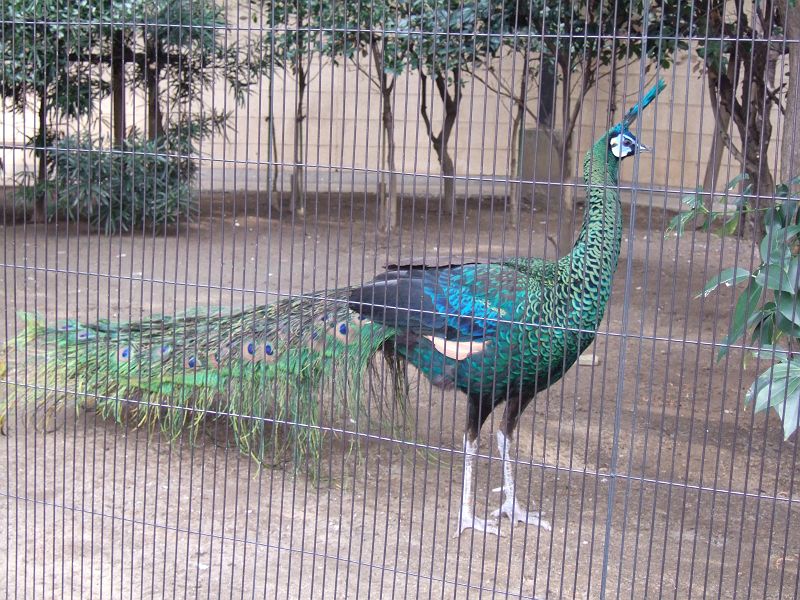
<point>144,184</point>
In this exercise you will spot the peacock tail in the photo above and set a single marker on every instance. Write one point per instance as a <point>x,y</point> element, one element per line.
<point>263,369</point>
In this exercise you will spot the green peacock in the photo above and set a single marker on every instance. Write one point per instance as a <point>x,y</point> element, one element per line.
<point>500,332</point>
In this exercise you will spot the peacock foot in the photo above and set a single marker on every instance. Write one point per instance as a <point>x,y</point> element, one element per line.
<point>469,521</point>
<point>518,514</point>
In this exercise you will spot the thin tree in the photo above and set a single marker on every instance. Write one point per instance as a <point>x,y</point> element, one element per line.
<point>444,40</point>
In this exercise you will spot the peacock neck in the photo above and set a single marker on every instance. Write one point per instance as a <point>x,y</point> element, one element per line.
<point>591,264</point>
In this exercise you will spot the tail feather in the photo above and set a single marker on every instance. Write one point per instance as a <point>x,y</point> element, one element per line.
<point>265,369</point>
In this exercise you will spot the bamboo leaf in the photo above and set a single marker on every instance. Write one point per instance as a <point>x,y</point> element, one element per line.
<point>737,180</point>
<point>778,387</point>
<point>789,413</point>
<point>746,305</point>
<point>793,274</point>
<point>774,278</point>
<point>787,306</point>
<point>728,277</point>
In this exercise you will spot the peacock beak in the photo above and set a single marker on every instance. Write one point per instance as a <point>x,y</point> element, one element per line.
<point>643,148</point>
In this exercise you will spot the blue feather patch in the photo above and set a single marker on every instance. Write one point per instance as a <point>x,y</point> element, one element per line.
<point>634,111</point>
<point>162,352</point>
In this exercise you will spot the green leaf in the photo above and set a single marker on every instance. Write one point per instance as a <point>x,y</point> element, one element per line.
<point>787,306</point>
<point>728,277</point>
<point>785,326</point>
<point>774,278</point>
<point>791,231</point>
<point>793,274</point>
<point>774,247</point>
<point>763,326</point>
<point>694,201</point>
<point>729,226</point>
<point>768,383</point>
<point>789,412</point>
<point>679,221</point>
<point>737,180</point>
<point>770,352</point>
<point>778,387</point>
<point>746,305</point>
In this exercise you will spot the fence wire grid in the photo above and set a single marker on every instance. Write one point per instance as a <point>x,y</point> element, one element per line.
<point>205,394</point>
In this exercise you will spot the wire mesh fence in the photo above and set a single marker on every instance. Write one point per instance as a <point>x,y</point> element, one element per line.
<point>271,268</point>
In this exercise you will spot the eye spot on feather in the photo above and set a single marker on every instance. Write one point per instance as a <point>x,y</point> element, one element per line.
<point>317,339</point>
<point>66,327</point>
<point>252,352</point>
<point>124,353</point>
<point>269,353</point>
<point>161,353</point>
<point>84,335</point>
<point>341,331</point>
<point>191,362</point>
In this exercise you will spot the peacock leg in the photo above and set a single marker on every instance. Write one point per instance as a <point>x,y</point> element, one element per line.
<point>511,507</point>
<point>468,519</point>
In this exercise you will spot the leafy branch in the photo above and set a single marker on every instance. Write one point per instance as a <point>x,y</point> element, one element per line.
<point>767,309</point>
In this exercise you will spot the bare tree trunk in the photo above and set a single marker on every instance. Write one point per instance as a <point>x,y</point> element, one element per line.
<point>298,196</point>
<point>570,112</point>
<point>392,201</point>
<point>790,142</point>
<point>758,127</point>
<point>388,206</point>
<point>39,207</point>
<point>517,126</point>
<point>155,124</point>
<point>272,160</point>
<point>750,115</point>
<point>612,95</point>
<point>722,118</point>
<point>439,141</point>
<point>547,92</point>
<point>272,168</point>
<point>569,115</point>
<point>118,87</point>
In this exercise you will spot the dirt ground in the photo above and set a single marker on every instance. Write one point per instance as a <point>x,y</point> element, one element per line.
<point>656,480</point>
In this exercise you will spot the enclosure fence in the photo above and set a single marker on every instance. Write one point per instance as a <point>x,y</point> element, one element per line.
<point>270,267</point>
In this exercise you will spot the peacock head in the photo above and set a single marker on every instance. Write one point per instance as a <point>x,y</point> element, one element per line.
<point>622,143</point>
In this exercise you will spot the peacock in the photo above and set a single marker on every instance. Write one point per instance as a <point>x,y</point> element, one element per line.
<point>500,332</point>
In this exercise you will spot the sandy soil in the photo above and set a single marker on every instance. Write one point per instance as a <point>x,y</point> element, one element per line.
<point>657,482</point>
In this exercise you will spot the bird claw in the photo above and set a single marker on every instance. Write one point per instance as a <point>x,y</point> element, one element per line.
<point>517,514</point>
<point>470,522</point>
